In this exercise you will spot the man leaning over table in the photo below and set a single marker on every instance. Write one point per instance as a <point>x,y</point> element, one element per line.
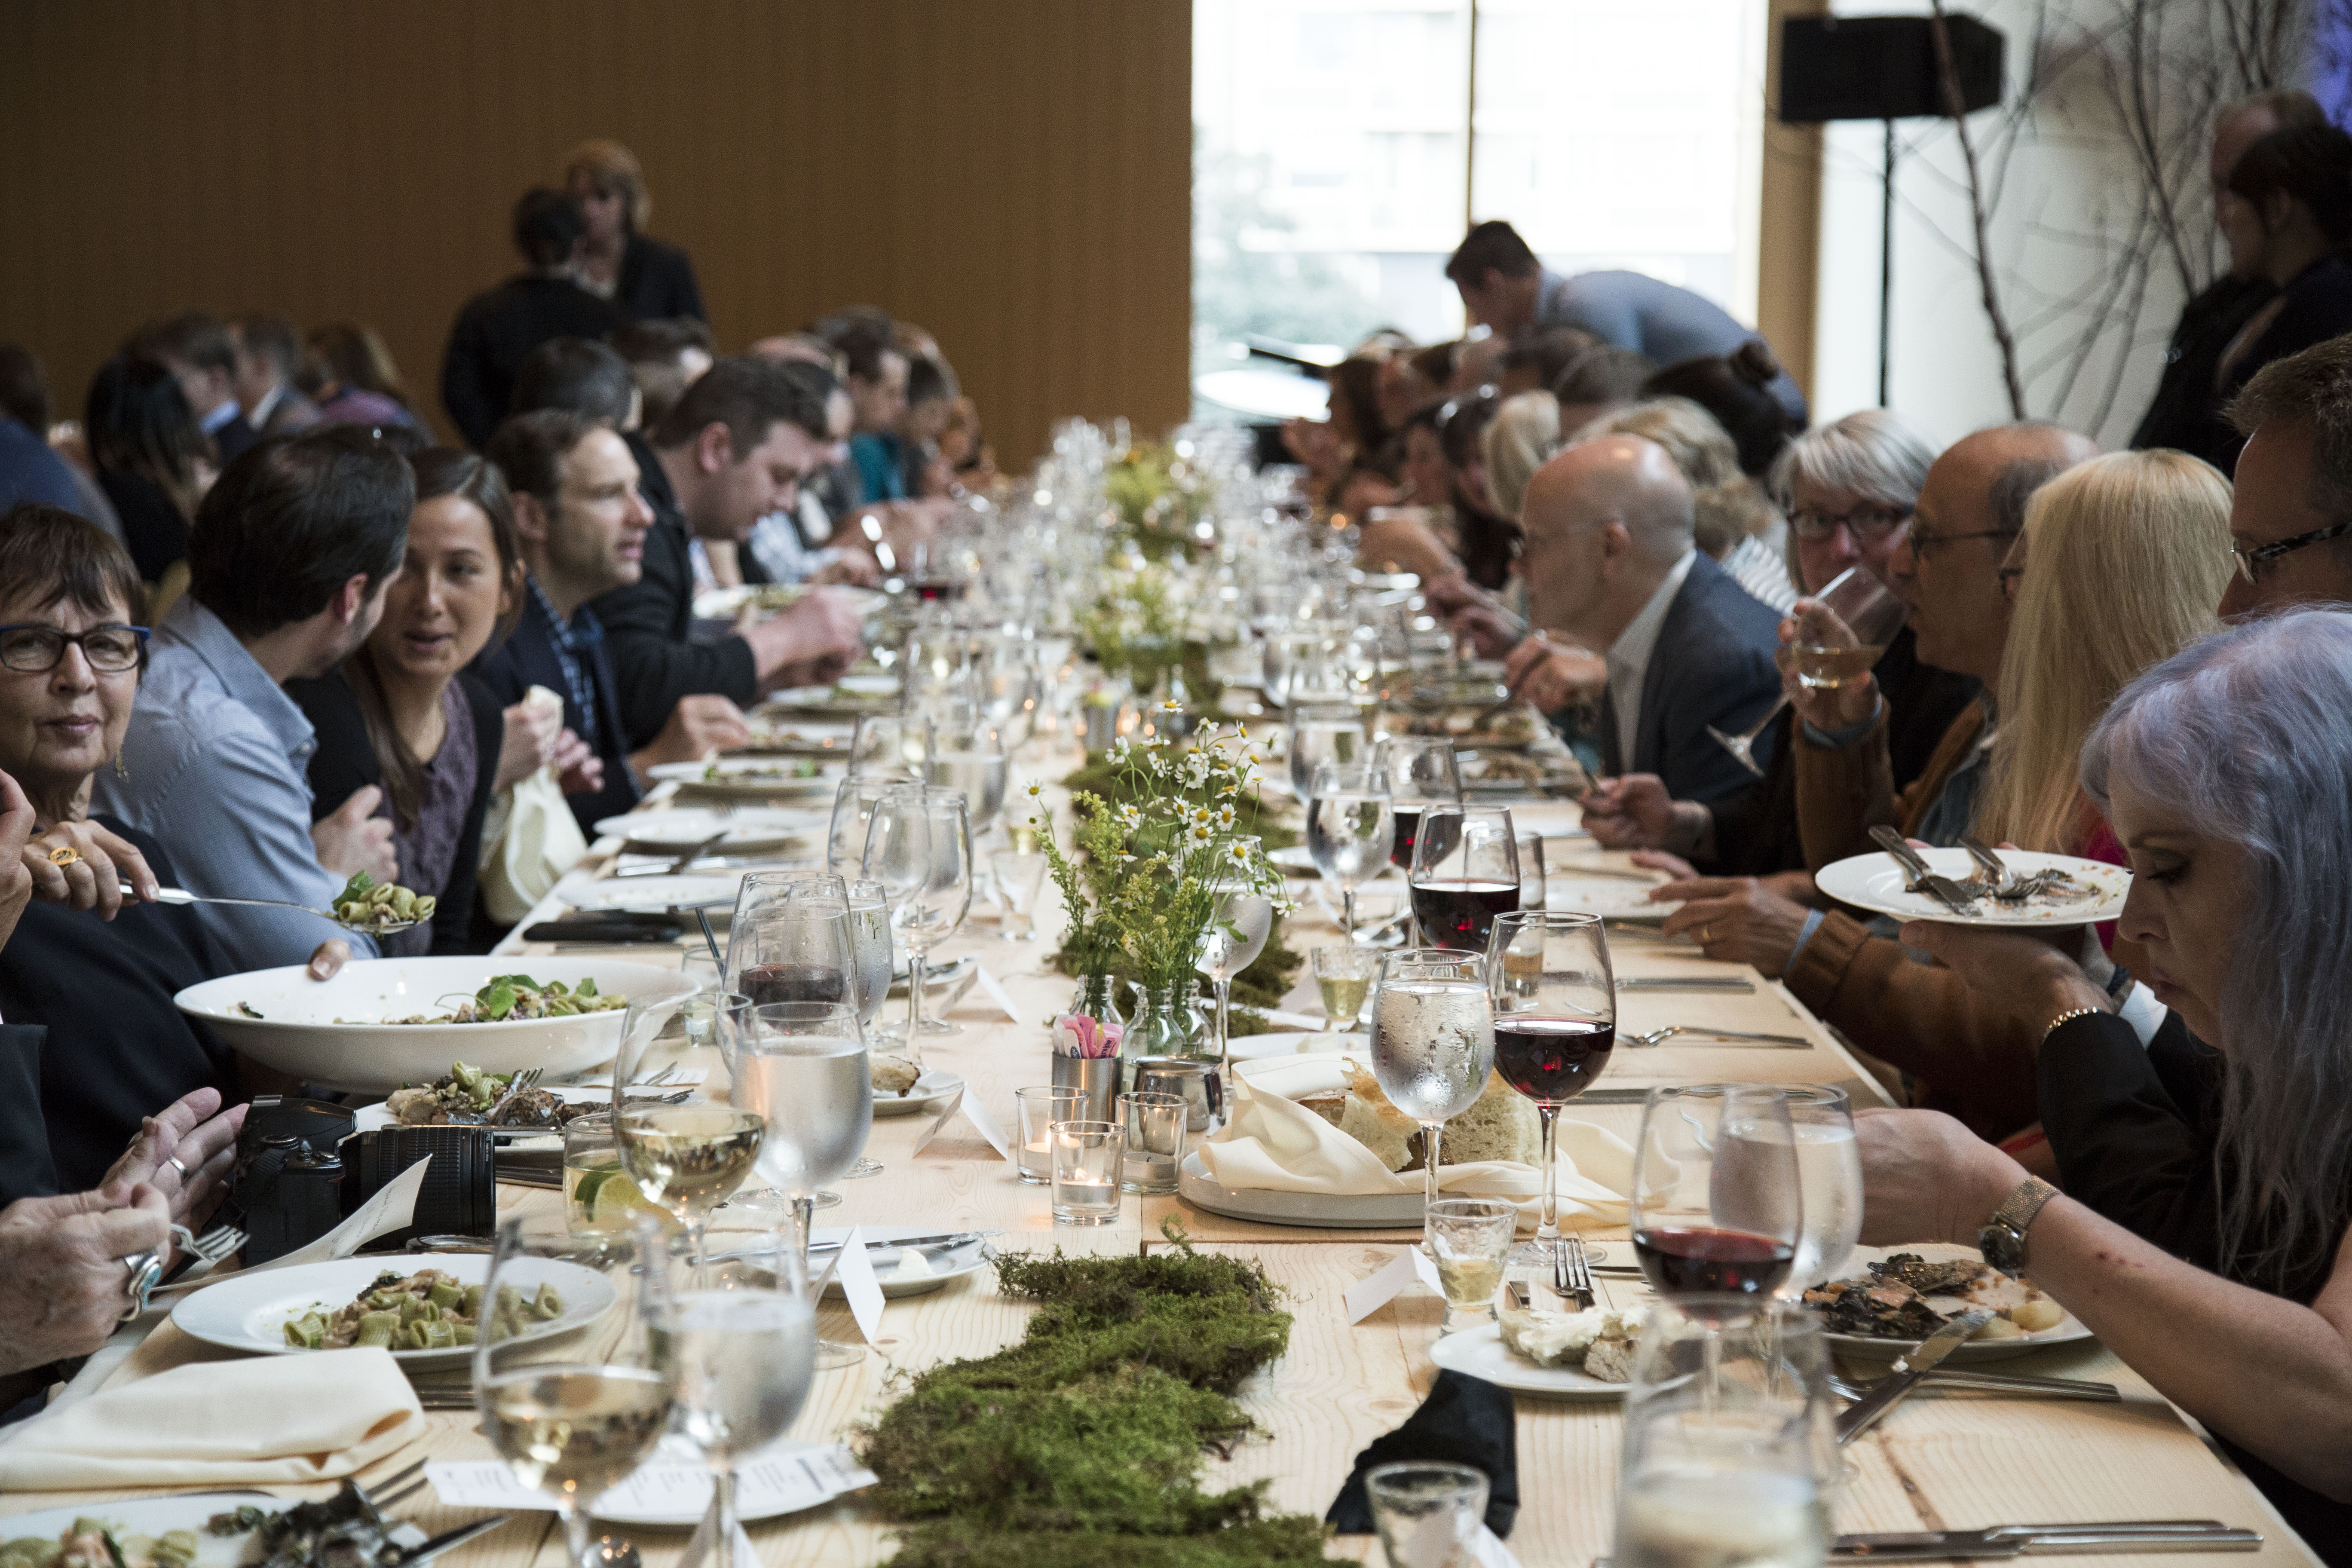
<point>288,562</point>
<point>733,450</point>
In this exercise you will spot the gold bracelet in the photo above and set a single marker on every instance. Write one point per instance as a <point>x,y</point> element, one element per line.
<point>2069,1017</point>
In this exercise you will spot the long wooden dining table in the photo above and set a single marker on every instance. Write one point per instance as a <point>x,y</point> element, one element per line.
<point>1942,1459</point>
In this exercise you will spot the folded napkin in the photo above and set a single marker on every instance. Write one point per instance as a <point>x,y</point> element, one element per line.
<point>1272,1143</point>
<point>290,1419</point>
<point>1467,1421</point>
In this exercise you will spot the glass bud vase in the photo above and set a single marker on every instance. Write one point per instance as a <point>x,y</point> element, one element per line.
<point>1167,1023</point>
<point>1097,1000</point>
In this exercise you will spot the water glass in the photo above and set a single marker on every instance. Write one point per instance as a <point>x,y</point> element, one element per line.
<point>1532,875</point>
<point>802,1065</point>
<point>1828,1174</point>
<point>696,1013</point>
<point>1321,736</point>
<point>877,751</point>
<point>1729,1437</point>
<point>1087,1158</point>
<point>1350,829</point>
<point>1716,1207</point>
<point>1155,1142</point>
<point>590,1162</point>
<point>1344,976</point>
<point>1037,1108</point>
<point>1470,1242</point>
<point>1432,1040</point>
<point>853,815</point>
<point>1019,875</point>
<point>1428,1512</point>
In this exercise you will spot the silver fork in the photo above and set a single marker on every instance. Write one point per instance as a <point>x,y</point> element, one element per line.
<point>220,1242</point>
<point>2007,885</point>
<point>1659,1036</point>
<point>1577,1271</point>
<point>526,1079</point>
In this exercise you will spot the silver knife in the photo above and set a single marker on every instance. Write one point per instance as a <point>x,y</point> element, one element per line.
<point>1908,1371</point>
<point>1948,892</point>
<point>2014,1540</point>
<point>1687,983</point>
<point>448,1539</point>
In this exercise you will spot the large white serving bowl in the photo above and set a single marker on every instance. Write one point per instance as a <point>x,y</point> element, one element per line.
<point>297,1032</point>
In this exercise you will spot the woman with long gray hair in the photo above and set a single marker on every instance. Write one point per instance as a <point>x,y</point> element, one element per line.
<point>2208,1174</point>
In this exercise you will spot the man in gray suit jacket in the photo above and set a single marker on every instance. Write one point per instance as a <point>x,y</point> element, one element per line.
<point>1610,558</point>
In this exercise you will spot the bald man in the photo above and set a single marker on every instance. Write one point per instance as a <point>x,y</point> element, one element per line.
<point>1609,559</point>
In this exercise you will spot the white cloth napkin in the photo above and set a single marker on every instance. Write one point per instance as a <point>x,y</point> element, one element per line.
<point>290,1419</point>
<point>1270,1141</point>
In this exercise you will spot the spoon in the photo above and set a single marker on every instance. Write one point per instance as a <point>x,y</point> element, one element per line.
<point>177,896</point>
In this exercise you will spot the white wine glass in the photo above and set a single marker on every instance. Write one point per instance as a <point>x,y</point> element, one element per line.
<point>739,1343</point>
<point>1237,932</point>
<point>1866,617</point>
<point>570,1413</point>
<point>920,849</point>
<point>686,1158</point>
<point>1350,829</point>
<point>1432,1040</point>
<point>1322,735</point>
<point>804,1068</point>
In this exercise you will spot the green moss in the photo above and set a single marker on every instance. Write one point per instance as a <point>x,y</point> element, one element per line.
<point>1082,1443</point>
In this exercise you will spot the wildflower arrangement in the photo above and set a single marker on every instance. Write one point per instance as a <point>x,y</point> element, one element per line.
<point>1160,498</point>
<point>1148,872</point>
<point>1136,623</point>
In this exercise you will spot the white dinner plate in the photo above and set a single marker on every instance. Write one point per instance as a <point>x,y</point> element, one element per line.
<point>1251,1047</point>
<point>937,977</point>
<point>368,1118</point>
<point>750,778</point>
<point>249,1311</point>
<point>930,1088</point>
<point>947,1263</point>
<point>1619,897</point>
<point>672,1490</point>
<point>749,829</point>
<point>1481,1352</point>
<point>152,1515</point>
<point>2068,1332</point>
<point>653,895</point>
<point>1295,860</point>
<point>1876,883</point>
<point>1334,1211</point>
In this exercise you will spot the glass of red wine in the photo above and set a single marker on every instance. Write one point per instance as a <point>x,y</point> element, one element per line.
<point>789,941</point>
<point>1718,1205</point>
<point>1555,1004</point>
<point>1421,773</point>
<point>1464,872</point>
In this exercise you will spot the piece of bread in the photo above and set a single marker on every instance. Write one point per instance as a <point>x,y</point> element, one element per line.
<point>891,1075</point>
<point>1328,1105</point>
<point>1611,1361</point>
<point>1371,1120</point>
<point>1502,1125</point>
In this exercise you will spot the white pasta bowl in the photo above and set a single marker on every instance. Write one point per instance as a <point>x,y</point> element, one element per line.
<point>328,1032</point>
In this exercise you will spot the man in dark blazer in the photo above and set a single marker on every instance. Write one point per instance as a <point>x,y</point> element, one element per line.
<point>496,329</point>
<point>1611,560</point>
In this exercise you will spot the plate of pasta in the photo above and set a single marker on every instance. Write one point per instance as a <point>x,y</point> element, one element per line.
<point>427,1315</point>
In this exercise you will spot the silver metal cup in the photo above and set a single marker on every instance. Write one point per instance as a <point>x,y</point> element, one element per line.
<point>1098,1078</point>
<point>1193,1078</point>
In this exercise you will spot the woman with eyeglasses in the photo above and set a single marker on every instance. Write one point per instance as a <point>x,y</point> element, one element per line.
<point>97,966</point>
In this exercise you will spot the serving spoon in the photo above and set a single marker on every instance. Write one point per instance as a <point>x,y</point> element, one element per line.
<point>178,895</point>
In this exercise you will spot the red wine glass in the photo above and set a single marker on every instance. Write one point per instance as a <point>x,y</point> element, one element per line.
<point>1421,773</point>
<point>1717,1205</point>
<point>1555,1005</point>
<point>1465,871</point>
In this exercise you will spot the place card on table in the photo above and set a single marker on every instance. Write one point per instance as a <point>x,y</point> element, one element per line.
<point>785,1479</point>
<point>857,1283</point>
<point>1377,1290</point>
<point>996,992</point>
<point>979,1115</point>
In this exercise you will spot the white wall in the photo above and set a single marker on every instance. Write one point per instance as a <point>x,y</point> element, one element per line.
<point>2066,185</point>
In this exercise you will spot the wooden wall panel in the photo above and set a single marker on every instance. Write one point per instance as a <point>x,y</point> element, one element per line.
<point>1789,234</point>
<point>1014,174</point>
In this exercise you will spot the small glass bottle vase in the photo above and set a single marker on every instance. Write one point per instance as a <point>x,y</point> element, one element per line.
<point>1167,1023</point>
<point>1095,1000</point>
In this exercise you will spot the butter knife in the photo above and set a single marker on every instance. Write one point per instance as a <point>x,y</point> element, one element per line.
<point>1688,982</point>
<point>448,1540</point>
<point>1909,1371</point>
<point>2014,1540</point>
<point>1945,890</point>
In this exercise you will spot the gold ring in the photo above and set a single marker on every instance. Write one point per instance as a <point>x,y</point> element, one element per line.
<point>65,854</point>
<point>1705,935</point>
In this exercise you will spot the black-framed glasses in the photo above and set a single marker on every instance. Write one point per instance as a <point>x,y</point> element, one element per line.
<point>2263,554</point>
<point>1873,523</point>
<point>35,649</point>
<point>1922,543</point>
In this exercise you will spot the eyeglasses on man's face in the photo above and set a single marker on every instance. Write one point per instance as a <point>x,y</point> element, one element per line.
<point>2250,562</point>
<point>1925,545</point>
<point>1870,523</point>
<point>31,649</point>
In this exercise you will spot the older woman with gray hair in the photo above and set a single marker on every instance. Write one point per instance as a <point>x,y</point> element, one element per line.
<point>1847,490</point>
<point>2202,1232</point>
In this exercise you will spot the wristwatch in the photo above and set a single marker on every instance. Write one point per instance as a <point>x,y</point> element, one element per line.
<point>2002,1239</point>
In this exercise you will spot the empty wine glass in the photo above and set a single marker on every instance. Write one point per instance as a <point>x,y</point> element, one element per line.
<point>853,815</point>
<point>1319,736</point>
<point>920,849</point>
<point>1869,616</point>
<point>1421,773</point>
<point>803,1066</point>
<point>1717,1207</point>
<point>1829,1176</point>
<point>571,1412</point>
<point>877,749</point>
<point>1465,871</point>
<point>1555,1001</point>
<point>1432,1040</point>
<point>739,1343</point>
<point>1350,829</point>
<point>974,762</point>
<point>1236,932</point>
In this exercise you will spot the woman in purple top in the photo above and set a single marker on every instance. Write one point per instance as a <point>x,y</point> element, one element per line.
<point>401,714</point>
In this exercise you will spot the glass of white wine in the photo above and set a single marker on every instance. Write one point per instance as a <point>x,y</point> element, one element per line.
<point>1470,1242</point>
<point>1863,619</point>
<point>686,1158</point>
<point>739,1343</point>
<point>571,1412</point>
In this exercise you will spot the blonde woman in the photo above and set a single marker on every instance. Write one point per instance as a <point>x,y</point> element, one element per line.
<point>645,280</point>
<point>1524,433</point>
<point>1735,522</point>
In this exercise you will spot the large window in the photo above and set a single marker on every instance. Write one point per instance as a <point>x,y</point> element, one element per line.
<point>1338,155</point>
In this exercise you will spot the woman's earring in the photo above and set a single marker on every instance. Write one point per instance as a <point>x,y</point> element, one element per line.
<point>120,771</point>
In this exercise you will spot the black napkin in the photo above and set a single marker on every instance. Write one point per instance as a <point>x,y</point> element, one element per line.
<point>1465,1420</point>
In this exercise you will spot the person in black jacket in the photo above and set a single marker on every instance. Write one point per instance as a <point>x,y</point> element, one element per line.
<point>646,280</point>
<point>497,329</point>
<point>2207,1156</point>
<point>401,715</point>
<point>733,450</point>
<point>153,461</point>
